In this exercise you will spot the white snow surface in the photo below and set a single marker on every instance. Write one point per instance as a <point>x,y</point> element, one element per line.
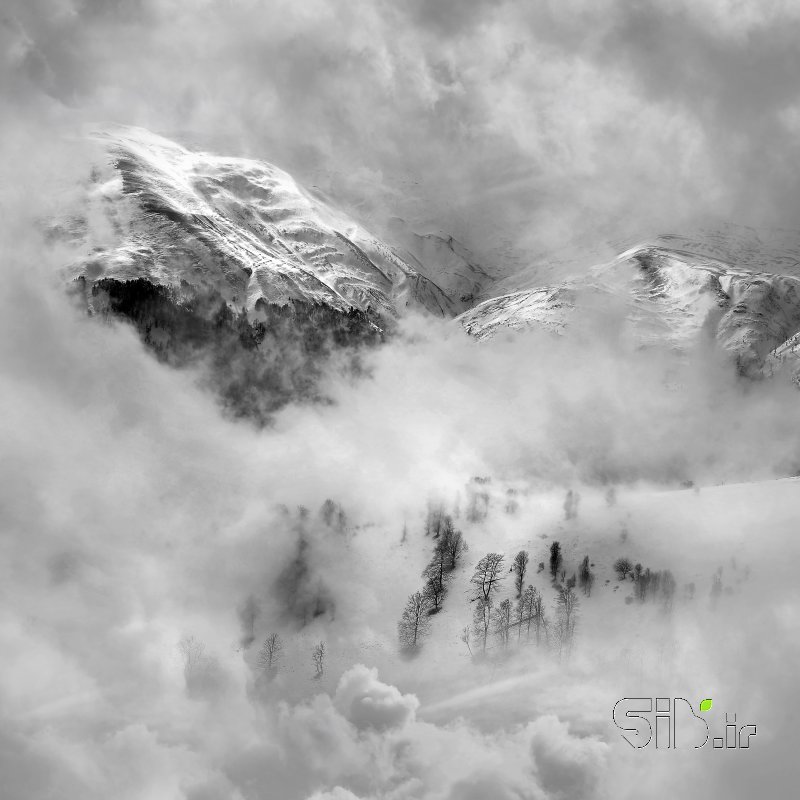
<point>679,291</point>
<point>243,228</point>
<point>249,232</point>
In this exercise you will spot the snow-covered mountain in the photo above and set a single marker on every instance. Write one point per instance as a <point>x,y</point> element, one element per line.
<point>230,262</point>
<point>723,286</point>
<point>452,265</point>
<point>195,247</point>
<point>242,229</point>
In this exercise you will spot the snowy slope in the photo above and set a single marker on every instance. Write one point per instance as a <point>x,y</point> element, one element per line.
<point>444,260</point>
<point>679,290</point>
<point>243,229</point>
<point>246,233</point>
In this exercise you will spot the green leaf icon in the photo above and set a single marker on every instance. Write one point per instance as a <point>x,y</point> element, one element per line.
<point>705,705</point>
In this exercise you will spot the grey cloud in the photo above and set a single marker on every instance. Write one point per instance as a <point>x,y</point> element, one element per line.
<point>499,122</point>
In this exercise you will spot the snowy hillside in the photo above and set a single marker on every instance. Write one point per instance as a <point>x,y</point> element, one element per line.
<point>445,260</point>
<point>679,290</point>
<point>230,264</point>
<point>197,236</point>
<point>242,228</point>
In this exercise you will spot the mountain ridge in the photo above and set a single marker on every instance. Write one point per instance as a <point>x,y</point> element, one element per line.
<point>217,231</point>
<point>670,295</point>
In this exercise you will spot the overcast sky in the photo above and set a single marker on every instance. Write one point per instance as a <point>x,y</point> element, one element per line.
<point>507,123</point>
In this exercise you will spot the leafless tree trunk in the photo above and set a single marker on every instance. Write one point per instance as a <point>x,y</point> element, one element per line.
<point>538,614</point>
<point>482,621</point>
<point>520,567</point>
<point>437,572</point>
<point>456,546</point>
<point>434,591</point>
<point>567,603</point>
<point>502,621</point>
<point>270,653</point>
<point>465,634</point>
<point>487,576</point>
<point>520,615</point>
<point>414,623</point>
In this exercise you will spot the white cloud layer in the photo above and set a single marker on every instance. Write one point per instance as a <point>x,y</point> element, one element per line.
<point>132,515</point>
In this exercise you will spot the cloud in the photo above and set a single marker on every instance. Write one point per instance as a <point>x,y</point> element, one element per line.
<point>134,516</point>
<point>368,703</point>
<point>404,757</point>
<point>502,123</point>
<point>566,765</point>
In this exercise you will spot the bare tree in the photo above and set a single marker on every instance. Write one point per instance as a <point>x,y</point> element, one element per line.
<point>414,623</point>
<point>525,609</point>
<point>433,519</point>
<point>270,654</point>
<point>668,587</point>
<point>502,622</point>
<point>318,657</point>
<point>642,586</point>
<point>487,576</point>
<point>478,500</point>
<point>437,571</point>
<point>334,516</point>
<point>194,656</point>
<point>586,576</point>
<point>520,566</point>
<point>567,606</point>
<point>482,620</point>
<point>555,559</point>
<point>465,636</point>
<point>623,567</point>
<point>455,546</point>
<point>520,615</point>
<point>201,670</point>
<point>539,615</point>
<point>434,592</point>
<point>438,521</point>
<point>449,547</point>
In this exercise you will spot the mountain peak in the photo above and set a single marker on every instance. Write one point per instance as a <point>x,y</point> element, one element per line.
<point>245,229</point>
